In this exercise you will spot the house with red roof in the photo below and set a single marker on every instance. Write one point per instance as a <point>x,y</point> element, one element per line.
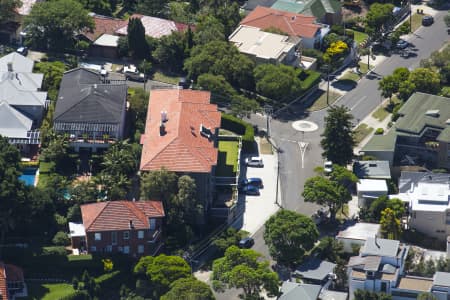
<point>129,227</point>
<point>12,282</point>
<point>292,24</point>
<point>181,136</point>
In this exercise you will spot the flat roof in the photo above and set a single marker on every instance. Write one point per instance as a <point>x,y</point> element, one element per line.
<point>372,185</point>
<point>381,142</point>
<point>333,295</point>
<point>359,231</point>
<point>265,45</point>
<point>375,169</point>
<point>358,274</point>
<point>380,247</point>
<point>107,40</point>
<point>442,279</point>
<point>415,284</point>
<point>76,229</point>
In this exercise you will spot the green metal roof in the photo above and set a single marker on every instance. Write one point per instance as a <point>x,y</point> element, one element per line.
<point>289,5</point>
<point>382,142</point>
<point>316,8</point>
<point>414,115</point>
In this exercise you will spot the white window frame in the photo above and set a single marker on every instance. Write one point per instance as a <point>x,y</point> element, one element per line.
<point>98,236</point>
<point>140,234</point>
<point>152,224</point>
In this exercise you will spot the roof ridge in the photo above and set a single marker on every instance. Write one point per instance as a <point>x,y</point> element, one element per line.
<point>99,213</point>
<point>136,211</point>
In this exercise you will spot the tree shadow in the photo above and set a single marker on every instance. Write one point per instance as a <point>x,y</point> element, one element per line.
<point>344,84</point>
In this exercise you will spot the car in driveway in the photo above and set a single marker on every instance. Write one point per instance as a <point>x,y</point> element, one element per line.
<point>23,51</point>
<point>254,161</point>
<point>427,20</point>
<point>255,181</point>
<point>402,44</point>
<point>328,167</point>
<point>246,243</point>
<point>251,190</point>
<point>132,73</point>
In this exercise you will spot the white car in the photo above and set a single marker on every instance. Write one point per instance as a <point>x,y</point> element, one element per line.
<point>254,162</point>
<point>328,167</point>
<point>132,73</point>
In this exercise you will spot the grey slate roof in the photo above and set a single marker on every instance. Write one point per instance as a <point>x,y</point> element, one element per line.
<point>13,124</point>
<point>20,63</point>
<point>376,169</point>
<point>295,291</point>
<point>315,269</point>
<point>442,279</point>
<point>380,247</point>
<point>333,295</point>
<point>84,98</point>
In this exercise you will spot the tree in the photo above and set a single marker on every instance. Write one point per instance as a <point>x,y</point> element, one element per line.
<point>159,185</point>
<point>221,58</point>
<point>277,81</point>
<point>405,89</point>
<point>323,191</point>
<point>162,271</point>
<point>426,296</point>
<point>340,270</point>
<point>425,80</point>
<point>208,29</point>
<point>343,176</point>
<point>447,20</point>
<point>57,149</point>
<point>156,8</point>
<point>390,224</point>
<point>244,268</point>
<point>8,9</point>
<point>122,46</point>
<point>54,24</point>
<point>185,208</point>
<point>335,51</point>
<point>227,239</point>
<point>188,288</point>
<point>337,139</point>
<point>171,51</point>
<point>287,230</point>
<point>99,6</point>
<point>242,106</point>
<point>120,158</point>
<point>376,19</point>
<point>330,249</point>
<point>138,111</point>
<point>137,42</point>
<point>61,239</point>
<point>387,86</point>
<point>368,295</point>
<point>216,84</point>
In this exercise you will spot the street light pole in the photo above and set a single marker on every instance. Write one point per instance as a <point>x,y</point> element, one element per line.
<point>268,112</point>
<point>328,84</point>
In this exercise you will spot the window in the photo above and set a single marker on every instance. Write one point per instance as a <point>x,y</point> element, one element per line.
<point>141,249</point>
<point>140,234</point>
<point>152,224</point>
<point>126,249</point>
<point>93,248</point>
<point>109,248</point>
<point>98,236</point>
<point>126,235</point>
<point>114,237</point>
<point>384,287</point>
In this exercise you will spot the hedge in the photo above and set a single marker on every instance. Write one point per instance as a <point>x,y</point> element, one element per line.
<point>312,79</point>
<point>240,127</point>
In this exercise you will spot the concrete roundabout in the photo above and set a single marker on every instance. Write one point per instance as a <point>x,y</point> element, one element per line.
<point>305,126</point>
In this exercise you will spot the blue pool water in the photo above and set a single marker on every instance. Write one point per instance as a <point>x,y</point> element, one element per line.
<point>28,176</point>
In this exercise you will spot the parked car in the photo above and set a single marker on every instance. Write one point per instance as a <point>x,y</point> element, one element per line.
<point>427,20</point>
<point>254,162</point>
<point>402,44</point>
<point>251,190</point>
<point>328,167</point>
<point>132,73</point>
<point>252,181</point>
<point>23,51</point>
<point>247,242</point>
<point>405,53</point>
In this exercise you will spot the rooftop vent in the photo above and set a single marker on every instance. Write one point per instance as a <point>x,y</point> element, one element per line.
<point>164,116</point>
<point>205,132</point>
<point>372,165</point>
<point>432,113</point>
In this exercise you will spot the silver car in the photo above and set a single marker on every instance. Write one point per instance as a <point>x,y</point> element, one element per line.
<point>254,162</point>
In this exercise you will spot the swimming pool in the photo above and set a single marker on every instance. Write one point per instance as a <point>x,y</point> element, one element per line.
<point>28,176</point>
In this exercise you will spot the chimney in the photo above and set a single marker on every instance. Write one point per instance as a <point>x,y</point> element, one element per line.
<point>162,129</point>
<point>131,224</point>
<point>163,116</point>
<point>10,67</point>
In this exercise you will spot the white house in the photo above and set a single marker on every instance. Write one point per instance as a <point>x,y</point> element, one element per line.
<point>356,235</point>
<point>370,189</point>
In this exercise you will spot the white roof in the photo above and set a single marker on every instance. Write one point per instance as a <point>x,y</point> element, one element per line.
<point>426,196</point>
<point>76,229</point>
<point>13,124</point>
<point>372,185</point>
<point>265,45</point>
<point>359,231</point>
<point>107,40</point>
<point>19,62</point>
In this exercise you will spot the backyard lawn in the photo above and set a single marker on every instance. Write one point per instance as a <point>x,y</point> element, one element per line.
<point>359,36</point>
<point>227,160</point>
<point>48,291</point>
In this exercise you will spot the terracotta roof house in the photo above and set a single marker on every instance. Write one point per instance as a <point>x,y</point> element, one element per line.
<point>155,27</point>
<point>12,282</point>
<point>90,109</point>
<point>130,227</point>
<point>292,24</point>
<point>181,135</point>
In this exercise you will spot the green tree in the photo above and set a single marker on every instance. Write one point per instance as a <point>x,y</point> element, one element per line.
<point>54,24</point>
<point>447,20</point>
<point>137,42</point>
<point>188,288</point>
<point>98,6</point>
<point>387,86</point>
<point>337,139</point>
<point>227,238</point>
<point>330,249</point>
<point>216,84</point>
<point>430,268</point>
<point>161,271</point>
<point>377,17</point>
<point>426,296</point>
<point>171,51</point>
<point>390,224</point>
<point>120,158</point>
<point>57,149</point>
<point>8,9</point>
<point>228,13</point>
<point>341,275</point>
<point>277,81</point>
<point>185,207</point>
<point>343,176</point>
<point>368,295</point>
<point>159,185</point>
<point>406,89</point>
<point>61,239</point>
<point>425,80</point>
<point>287,230</point>
<point>323,191</point>
<point>242,106</point>
<point>122,46</point>
<point>244,268</point>
<point>208,29</point>
<point>138,110</point>
<point>156,8</point>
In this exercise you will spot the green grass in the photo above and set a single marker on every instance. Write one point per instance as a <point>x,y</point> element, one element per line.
<point>416,21</point>
<point>380,114</point>
<point>363,67</point>
<point>79,257</point>
<point>227,160</point>
<point>320,101</point>
<point>159,76</point>
<point>48,291</point>
<point>350,76</point>
<point>361,132</point>
<point>359,36</point>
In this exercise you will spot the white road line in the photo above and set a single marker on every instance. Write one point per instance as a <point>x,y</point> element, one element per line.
<point>358,102</point>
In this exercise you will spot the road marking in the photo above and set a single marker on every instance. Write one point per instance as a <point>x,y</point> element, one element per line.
<point>358,102</point>
<point>303,146</point>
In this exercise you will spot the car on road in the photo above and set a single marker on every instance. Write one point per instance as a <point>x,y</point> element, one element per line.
<point>132,73</point>
<point>254,181</point>
<point>402,44</point>
<point>328,167</point>
<point>246,243</point>
<point>251,190</point>
<point>427,20</point>
<point>23,51</point>
<point>405,53</point>
<point>254,161</point>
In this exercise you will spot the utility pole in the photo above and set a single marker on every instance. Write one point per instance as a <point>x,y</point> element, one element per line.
<point>328,84</point>
<point>410,17</point>
<point>268,112</point>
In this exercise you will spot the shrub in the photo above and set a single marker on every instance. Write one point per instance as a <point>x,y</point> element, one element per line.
<point>379,131</point>
<point>439,171</point>
<point>55,250</point>
<point>61,239</point>
<point>395,110</point>
<point>312,79</point>
<point>350,33</point>
<point>240,127</point>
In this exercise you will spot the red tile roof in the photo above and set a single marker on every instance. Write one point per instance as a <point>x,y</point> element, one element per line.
<point>116,215</point>
<point>291,23</point>
<point>104,24</point>
<point>181,148</point>
<point>8,273</point>
<point>154,27</point>
<point>3,285</point>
